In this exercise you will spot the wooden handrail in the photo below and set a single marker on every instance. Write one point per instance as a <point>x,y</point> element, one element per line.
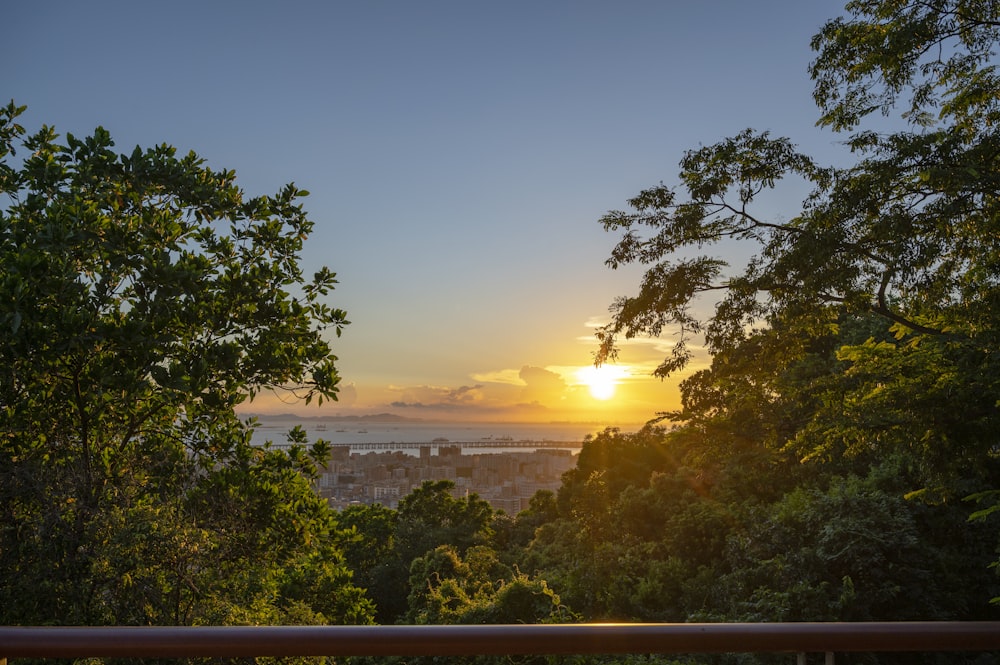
<point>236,641</point>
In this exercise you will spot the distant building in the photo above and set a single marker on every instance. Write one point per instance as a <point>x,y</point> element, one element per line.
<point>506,480</point>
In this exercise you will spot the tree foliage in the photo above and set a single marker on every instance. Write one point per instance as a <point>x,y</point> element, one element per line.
<point>908,232</point>
<point>899,250</point>
<point>853,389</point>
<point>143,296</point>
<point>389,543</point>
<point>938,56</point>
<point>447,588</point>
<point>757,537</point>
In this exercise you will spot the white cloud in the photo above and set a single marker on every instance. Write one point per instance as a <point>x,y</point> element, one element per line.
<point>507,376</point>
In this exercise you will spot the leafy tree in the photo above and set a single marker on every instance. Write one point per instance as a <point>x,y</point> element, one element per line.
<point>430,516</point>
<point>901,245</point>
<point>477,588</point>
<point>370,552</point>
<point>856,551</point>
<point>938,54</point>
<point>859,338</point>
<point>143,297</point>
<point>908,232</point>
<point>386,543</point>
<point>513,534</point>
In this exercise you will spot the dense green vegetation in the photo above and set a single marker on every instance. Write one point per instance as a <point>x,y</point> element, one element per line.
<point>143,297</point>
<point>837,461</point>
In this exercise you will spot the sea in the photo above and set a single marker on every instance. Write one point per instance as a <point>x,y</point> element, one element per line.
<point>363,435</point>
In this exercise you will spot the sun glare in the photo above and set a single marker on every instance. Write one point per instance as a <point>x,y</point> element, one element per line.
<point>601,381</point>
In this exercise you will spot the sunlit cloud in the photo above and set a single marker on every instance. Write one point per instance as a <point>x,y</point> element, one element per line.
<point>466,394</point>
<point>506,376</point>
<point>436,396</point>
<point>541,385</point>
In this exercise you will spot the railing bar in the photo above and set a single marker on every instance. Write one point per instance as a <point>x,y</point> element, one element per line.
<point>234,641</point>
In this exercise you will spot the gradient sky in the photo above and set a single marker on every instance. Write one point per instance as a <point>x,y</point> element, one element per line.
<point>459,155</point>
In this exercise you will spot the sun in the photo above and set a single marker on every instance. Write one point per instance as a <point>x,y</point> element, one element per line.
<point>602,381</point>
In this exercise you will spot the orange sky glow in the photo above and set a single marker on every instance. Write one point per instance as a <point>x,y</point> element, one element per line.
<point>459,158</point>
<point>622,393</point>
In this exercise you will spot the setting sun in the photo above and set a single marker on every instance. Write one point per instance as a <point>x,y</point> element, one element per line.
<point>601,381</point>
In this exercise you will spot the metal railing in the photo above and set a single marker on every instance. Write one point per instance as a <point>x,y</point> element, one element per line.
<point>466,640</point>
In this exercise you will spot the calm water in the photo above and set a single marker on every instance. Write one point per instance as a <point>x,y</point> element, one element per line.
<point>358,432</point>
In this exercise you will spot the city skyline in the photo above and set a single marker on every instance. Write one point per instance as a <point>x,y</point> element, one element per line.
<point>458,156</point>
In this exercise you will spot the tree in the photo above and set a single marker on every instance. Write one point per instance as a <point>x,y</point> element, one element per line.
<point>937,53</point>
<point>430,516</point>
<point>447,588</point>
<point>863,328</point>
<point>856,550</point>
<point>908,232</point>
<point>514,533</point>
<point>384,544</point>
<point>371,554</point>
<point>143,297</point>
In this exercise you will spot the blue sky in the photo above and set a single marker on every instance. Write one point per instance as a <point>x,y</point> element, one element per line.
<point>459,155</point>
